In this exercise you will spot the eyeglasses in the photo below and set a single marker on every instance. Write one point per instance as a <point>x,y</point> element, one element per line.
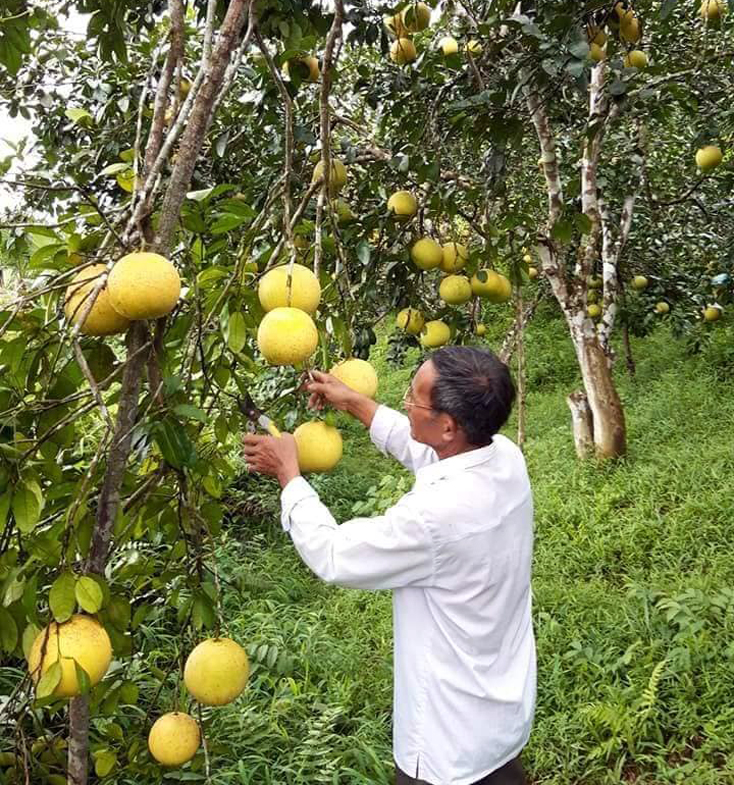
<point>408,401</point>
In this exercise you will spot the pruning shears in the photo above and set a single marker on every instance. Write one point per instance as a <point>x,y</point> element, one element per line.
<point>254,415</point>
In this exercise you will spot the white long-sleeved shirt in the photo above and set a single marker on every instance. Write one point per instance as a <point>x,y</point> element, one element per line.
<point>456,551</point>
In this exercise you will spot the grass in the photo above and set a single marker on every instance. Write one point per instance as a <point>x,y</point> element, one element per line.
<point>633,597</point>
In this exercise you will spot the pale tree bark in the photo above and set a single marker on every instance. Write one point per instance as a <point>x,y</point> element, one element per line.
<point>606,429</point>
<point>520,321</point>
<point>202,100</point>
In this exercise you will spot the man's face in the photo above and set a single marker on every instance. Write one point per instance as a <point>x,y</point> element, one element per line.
<point>426,425</point>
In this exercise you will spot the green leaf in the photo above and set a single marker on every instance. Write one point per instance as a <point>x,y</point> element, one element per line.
<point>49,681</point>
<point>212,486</point>
<point>89,594</point>
<point>4,508</point>
<point>579,49</point>
<point>79,117</point>
<point>191,412</point>
<point>617,87</point>
<point>562,231</point>
<point>667,8</point>
<point>8,631</point>
<point>583,223</point>
<point>82,678</point>
<point>174,443</point>
<point>104,762</point>
<point>129,692</point>
<point>30,633</point>
<point>62,597</point>
<point>26,508</point>
<point>236,332</point>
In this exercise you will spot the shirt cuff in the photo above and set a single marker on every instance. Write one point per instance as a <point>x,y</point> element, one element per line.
<point>294,492</point>
<point>382,424</point>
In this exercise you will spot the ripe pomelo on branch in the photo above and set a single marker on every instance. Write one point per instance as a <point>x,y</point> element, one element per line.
<point>596,52</point>
<point>402,205</point>
<point>216,671</point>
<point>712,313</point>
<point>143,286</point>
<point>495,287</point>
<point>455,289</point>
<point>411,320</point>
<point>287,336</point>
<point>474,47</point>
<point>357,374</point>
<point>403,51</point>
<point>639,282</point>
<point>532,273</point>
<point>319,446</point>
<point>712,10</point>
<point>662,307</point>
<point>480,329</point>
<point>174,738</point>
<point>434,334</point>
<point>593,310</point>
<point>338,175</point>
<point>448,45</point>
<point>396,25</point>
<point>305,290</point>
<point>82,639</point>
<point>344,213</point>
<point>309,67</point>
<point>635,59</point>
<point>454,258</point>
<point>103,319</point>
<point>416,17</point>
<point>426,253</point>
<point>708,157</point>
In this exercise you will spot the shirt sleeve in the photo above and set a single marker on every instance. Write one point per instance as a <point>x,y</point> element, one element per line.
<point>386,552</point>
<point>390,433</point>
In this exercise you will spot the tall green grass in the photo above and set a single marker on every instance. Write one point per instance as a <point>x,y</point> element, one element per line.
<point>633,594</point>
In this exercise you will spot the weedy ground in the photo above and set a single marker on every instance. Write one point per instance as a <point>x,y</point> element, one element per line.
<point>633,592</point>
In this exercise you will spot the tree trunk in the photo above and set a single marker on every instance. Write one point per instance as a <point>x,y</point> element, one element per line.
<point>609,430</point>
<point>583,423</point>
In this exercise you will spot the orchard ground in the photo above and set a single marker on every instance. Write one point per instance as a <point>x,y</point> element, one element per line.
<point>633,597</point>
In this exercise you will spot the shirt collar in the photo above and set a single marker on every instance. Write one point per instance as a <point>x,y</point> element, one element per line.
<point>455,464</point>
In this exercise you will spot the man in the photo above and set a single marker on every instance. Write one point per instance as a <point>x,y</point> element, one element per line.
<point>456,551</point>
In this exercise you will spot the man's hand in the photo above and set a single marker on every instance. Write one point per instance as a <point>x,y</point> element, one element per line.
<point>328,389</point>
<point>276,456</point>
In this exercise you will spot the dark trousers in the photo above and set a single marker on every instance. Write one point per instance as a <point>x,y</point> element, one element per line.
<point>510,774</point>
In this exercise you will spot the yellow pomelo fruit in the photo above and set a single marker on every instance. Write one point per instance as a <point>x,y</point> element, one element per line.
<point>184,88</point>
<point>712,10</point>
<point>216,671</point>
<point>411,320</point>
<point>338,175</point>
<point>636,59</point>
<point>396,25</point>
<point>599,37</point>
<point>82,639</point>
<point>474,47</point>
<point>287,336</point>
<point>426,253</point>
<point>357,374</point>
<point>494,286</point>
<point>454,257</point>
<point>596,52</point>
<point>481,329</point>
<point>711,313</point>
<point>434,334</point>
<point>416,17</point>
<point>174,738</point>
<point>310,65</point>
<point>527,258</point>
<point>403,205</point>
<point>639,282</point>
<point>403,51</point>
<point>144,286</point>
<point>629,28</point>
<point>662,307</point>
<point>455,289</point>
<point>532,272</point>
<point>595,282</point>
<point>708,157</point>
<point>305,290</point>
<point>594,311</point>
<point>319,446</point>
<point>592,296</point>
<point>103,319</point>
<point>448,45</point>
